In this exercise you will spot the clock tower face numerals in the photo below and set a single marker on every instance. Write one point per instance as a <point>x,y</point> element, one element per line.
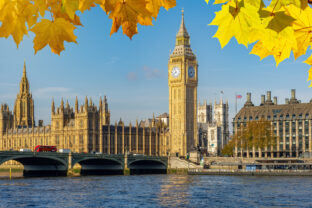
<point>191,72</point>
<point>175,72</point>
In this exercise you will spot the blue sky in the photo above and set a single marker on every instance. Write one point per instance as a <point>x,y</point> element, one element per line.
<point>133,73</point>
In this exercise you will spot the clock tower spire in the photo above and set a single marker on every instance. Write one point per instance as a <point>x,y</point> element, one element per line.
<point>182,82</point>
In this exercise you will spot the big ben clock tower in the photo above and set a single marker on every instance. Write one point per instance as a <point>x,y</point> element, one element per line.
<point>182,81</point>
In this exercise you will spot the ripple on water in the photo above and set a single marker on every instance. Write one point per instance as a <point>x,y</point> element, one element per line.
<point>157,191</point>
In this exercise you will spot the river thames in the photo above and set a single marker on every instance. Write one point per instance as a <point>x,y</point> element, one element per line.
<point>157,191</point>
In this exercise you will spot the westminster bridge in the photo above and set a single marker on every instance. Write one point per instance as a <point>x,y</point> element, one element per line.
<point>58,164</point>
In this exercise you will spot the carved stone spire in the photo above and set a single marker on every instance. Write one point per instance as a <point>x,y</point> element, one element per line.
<point>62,105</point>
<point>76,105</point>
<point>24,104</point>
<point>183,46</point>
<point>53,107</point>
<point>182,31</point>
<point>86,104</point>
<point>24,84</point>
<point>101,104</point>
<point>67,104</point>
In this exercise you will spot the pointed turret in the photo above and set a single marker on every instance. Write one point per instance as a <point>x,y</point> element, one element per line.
<point>101,104</point>
<point>76,105</point>
<point>67,104</point>
<point>105,104</point>
<point>24,104</point>
<point>120,122</point>
<point>86,104</point>
<point>182,31</point>
<point>183,47</point>
<point>24,84</point>
<point>62,105</point>
<point>24,71</point>
<point>53,107</point>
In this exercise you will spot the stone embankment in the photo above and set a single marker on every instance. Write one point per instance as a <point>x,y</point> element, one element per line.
<point>250,173</point>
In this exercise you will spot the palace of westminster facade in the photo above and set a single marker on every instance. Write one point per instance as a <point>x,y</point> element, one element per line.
<point>86,128</point>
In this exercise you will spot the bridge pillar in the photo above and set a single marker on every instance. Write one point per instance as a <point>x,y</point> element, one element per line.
<point>126,169</point>
<point>70,159</point>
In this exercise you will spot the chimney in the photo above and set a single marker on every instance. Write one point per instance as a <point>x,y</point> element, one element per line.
<point>269,96</point>
<point>287,101</point>
<point>293,99</point>
<point>248,101</point>
<point>262,99</point>
<point>268,101</point>
<point>275,100</point>
<point>293,94</point>
<point>248,97</point>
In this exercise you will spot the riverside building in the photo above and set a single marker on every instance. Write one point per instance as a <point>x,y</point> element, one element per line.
<point>213,126</point>
<point>290,122</point>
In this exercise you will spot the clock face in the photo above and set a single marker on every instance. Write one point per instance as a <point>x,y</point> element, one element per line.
<point>191,72</point>
<point>175,72</point>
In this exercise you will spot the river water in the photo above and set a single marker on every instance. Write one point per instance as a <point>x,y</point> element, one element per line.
<point>157,191</point>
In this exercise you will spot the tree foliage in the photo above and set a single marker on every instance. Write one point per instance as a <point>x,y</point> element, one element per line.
<point>54,21</point>
<point>256,134</point>
<point>274,27</point>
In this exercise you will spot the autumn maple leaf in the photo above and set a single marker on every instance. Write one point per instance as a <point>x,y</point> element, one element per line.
<point>53,33</point>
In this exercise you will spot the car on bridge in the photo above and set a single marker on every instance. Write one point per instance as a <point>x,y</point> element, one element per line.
<point>25,150</point>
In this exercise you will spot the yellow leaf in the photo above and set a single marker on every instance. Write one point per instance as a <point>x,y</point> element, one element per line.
<point>278,4</point>
<point>41,5</point>
<point>70,7</point>
<point>219,1</point>
<point>53,33</point>
<point>280,21</point>
<point>302,27</point>
<point>236,20</point>
<point>58,12</point>
<point>274,44</point>
<point>260,50</point>
<point>309,61</point>
<point>14,15</point>
<point>154,5</point>
<point>207,1</point>
<point>127,14</point>
<point>87,4</point>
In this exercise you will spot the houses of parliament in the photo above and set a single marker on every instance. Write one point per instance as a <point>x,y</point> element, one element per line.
<point>84,128</point>
<point>87,128</point>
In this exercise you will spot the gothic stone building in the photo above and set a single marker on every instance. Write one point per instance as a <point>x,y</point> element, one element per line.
<point>213,126</point>
<point>291,123</point>
<point>85,128</point>
<point>182,83</point>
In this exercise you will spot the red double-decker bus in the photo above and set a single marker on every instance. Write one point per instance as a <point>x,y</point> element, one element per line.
<point>42,148</point>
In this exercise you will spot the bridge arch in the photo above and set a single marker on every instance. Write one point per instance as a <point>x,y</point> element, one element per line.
<point>147,166</point>
<point>35,165</point>
<point>99,166</point>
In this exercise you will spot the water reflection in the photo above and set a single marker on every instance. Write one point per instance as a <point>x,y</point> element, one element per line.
<point>174,191</point>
